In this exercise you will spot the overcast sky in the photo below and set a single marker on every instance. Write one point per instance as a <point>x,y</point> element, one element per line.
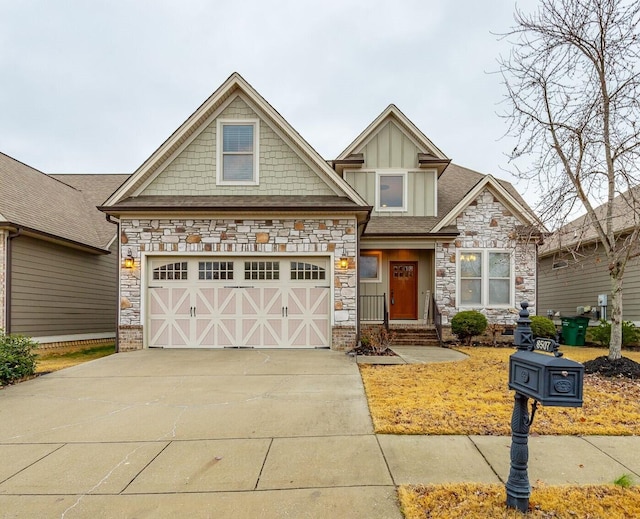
<point>93,86</point>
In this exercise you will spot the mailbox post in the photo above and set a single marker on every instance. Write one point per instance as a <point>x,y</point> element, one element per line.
<point>548,379</point>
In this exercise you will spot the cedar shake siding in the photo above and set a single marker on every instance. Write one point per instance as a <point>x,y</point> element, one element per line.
<point>59,291</point>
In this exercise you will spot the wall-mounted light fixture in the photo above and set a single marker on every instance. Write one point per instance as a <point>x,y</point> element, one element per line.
<point>344,263</point>
<point>129,261</point>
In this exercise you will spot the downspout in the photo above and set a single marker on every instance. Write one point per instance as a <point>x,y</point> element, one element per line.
<point>7,314</point>
<point>116,222</point>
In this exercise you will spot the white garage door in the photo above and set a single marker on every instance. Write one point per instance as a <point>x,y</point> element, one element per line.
<point>238,302</point>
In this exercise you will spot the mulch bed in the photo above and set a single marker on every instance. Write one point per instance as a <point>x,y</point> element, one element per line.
<point>371,352</point>
<point>623,367</point>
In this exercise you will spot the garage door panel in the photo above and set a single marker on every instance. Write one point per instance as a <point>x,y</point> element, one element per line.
<point>159,330</point>
<point>180,333</point>
<point>209,309</point>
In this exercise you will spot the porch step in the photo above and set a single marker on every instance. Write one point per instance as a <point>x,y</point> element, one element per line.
<point>414,337</point>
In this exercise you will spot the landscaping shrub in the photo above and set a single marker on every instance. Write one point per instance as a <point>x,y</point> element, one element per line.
<point>468,324</point>
<point>542,326</point>
<point>602,333</point>
<point>17,358</point>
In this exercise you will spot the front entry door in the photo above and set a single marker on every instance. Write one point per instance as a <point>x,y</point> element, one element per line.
<point>404,290</point>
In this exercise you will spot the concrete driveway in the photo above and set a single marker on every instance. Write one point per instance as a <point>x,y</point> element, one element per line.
<point>189,433</point>
<point>243,434</point>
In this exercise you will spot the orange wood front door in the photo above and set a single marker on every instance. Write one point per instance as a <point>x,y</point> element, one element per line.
<point>404,290</point>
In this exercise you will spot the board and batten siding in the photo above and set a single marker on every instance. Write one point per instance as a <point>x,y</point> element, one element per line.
<point>420,191</point>
<point>580,283</point>
<point>389,148</point>
<point>56,290</point>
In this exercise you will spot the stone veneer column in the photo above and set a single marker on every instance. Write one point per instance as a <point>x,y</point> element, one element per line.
<point>277,237</point>
<point>486,223</point>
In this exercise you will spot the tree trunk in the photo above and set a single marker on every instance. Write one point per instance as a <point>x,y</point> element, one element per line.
<point>615,346</point>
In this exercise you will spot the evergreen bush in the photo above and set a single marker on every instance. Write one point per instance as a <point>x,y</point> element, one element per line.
<point>467,324</point>
<point>542,327</point>
<point>17,358</point>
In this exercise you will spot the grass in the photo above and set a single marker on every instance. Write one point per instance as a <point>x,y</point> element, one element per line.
<point>55,360</point>
<point>472,397</point>
<point>483,501</point>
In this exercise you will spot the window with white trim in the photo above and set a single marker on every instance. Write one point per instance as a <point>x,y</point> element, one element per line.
<point>391,191</point>
<point>237,161</point>
<point>485,278</point>
<point>370,267</point>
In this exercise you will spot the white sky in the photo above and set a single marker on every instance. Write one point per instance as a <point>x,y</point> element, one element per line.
<point>95,86</point>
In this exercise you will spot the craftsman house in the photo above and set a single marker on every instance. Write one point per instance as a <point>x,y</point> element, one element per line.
<point>58,255</point>
<point>236,233</point>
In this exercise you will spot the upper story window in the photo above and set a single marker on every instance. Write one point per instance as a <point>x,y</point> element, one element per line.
<point>237,152</point>
<point>485,278</point>
<point>391,191</point>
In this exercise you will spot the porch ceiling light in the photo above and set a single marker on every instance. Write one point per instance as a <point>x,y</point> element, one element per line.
<point>129,261</point>
<point>344,263</point>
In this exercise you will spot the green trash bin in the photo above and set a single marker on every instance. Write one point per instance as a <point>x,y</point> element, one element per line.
<point>574,330</point>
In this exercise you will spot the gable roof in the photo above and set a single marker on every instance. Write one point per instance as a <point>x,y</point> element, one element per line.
<point>44,205</point>
<point>457,187</point>
<point>626,216</point>
<point>431,154</point>
<point>233,86</point>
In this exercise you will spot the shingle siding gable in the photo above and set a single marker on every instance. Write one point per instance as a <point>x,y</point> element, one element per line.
<point>282,171</point>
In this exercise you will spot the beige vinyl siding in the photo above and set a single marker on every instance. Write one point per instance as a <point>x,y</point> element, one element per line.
<point>388,148</point>
<point>420,191</point>
<point>56,290</point>
<point>579,284</point>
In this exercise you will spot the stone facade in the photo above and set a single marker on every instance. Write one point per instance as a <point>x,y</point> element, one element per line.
<point>486,224</point>
<point>275,237</point>
<point>3,276</point>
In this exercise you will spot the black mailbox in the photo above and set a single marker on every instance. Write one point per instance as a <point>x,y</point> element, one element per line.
<point>551,380</point>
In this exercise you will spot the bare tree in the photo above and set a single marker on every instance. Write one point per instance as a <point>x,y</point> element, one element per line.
<point>573,91</point>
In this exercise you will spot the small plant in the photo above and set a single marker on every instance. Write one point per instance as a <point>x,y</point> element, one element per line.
<point>624,481</point>
<point>467,324</point>
<point>602,333</point>
<point>542,326</point>
<point>376,338</point>
<point>17,359</point>
<point>494,330</point>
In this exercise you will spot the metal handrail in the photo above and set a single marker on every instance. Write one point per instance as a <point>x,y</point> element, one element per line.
<point>437,319</point>
<point>373,308</point>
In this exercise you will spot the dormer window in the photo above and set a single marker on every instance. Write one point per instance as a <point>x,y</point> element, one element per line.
<point>237,162</point>
<point>391,191</point>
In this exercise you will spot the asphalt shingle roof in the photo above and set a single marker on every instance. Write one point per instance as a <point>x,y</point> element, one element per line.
<point>45,204</point>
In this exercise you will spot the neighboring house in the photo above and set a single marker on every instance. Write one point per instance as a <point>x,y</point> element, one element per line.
<point>573,269</point>
<point>58,276</point>
<point>241,235</point>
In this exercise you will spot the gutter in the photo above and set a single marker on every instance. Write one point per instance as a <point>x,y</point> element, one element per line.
<point>7,316</point>
<point>109,219</point>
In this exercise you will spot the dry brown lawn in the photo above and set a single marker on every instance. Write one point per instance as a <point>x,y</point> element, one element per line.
<point>477,501</point>
<point>472,397</point>
<point>54,360</point>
